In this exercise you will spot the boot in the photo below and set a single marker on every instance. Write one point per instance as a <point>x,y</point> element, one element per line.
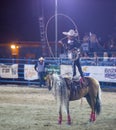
<point>74,77</point>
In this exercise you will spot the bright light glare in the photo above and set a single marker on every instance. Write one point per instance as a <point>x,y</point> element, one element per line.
<point>13,46</point>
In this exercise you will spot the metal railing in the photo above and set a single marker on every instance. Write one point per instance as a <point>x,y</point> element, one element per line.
<point>54,63</point>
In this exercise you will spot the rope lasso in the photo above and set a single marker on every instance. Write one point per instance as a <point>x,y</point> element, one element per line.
<point>46,29</point>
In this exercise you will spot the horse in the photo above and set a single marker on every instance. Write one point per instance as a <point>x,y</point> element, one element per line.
<point>66,90</point>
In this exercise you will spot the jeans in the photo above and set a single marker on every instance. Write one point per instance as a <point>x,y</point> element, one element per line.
<point>41,78</point>
<point>77,63</point>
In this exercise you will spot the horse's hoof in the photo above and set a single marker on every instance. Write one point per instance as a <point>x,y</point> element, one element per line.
<point>91,120</point>
<point>68,123</point>
<point>59,123</point>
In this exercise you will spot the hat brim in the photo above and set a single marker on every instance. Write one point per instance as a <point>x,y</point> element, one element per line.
<point>68,34</point>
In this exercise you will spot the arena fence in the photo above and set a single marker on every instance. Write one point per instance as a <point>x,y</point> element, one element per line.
<point>21,71</point>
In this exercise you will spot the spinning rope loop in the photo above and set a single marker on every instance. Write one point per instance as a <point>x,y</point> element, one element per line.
<point>46,29</point>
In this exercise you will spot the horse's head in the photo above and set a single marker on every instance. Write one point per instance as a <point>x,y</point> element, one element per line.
<point>49,81</point>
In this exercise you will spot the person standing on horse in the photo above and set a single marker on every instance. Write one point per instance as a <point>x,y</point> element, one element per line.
<point>73,52</point>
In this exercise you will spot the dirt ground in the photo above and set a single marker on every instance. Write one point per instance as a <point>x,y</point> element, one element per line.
<point>27,108</point>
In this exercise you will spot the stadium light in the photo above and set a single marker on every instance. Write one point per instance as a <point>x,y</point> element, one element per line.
<point>13,46</point>
<point>14,49</point>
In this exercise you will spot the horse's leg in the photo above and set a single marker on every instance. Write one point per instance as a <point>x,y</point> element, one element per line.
<point>92,116</point>
<point>92,105</point>
<point>60,115</point>
<point>68,114</point>
<point>68,119</point>
<point>93,113</point>
<point>95,108</point>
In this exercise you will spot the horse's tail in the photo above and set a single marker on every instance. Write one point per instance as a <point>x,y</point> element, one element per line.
<point>98,101</point>
<point>62,96</point>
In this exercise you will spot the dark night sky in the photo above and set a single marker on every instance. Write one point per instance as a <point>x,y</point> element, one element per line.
<point>19,18</point>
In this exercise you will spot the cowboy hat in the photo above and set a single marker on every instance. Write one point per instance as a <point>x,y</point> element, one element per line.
<point>71,32</point>
<point>41,58</point>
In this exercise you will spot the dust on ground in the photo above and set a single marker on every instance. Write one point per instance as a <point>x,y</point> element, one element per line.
<point>27,108</point>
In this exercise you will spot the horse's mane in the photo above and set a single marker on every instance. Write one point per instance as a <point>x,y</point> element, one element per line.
<point>59,85</point>
<point>56,76</point>
<point>58,80</point>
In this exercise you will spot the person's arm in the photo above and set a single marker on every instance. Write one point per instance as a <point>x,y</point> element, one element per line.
<point>35,67</point>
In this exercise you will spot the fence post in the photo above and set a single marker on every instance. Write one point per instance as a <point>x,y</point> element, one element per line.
<point>28,80</point>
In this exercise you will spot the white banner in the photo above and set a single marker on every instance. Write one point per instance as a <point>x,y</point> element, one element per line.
<point>101,73</point>
<point>9,71</point>
<point>30,73</point>
<point>67,71</point>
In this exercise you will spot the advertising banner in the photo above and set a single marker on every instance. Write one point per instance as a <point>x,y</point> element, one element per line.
<point>9,71</point>
<point>67,71</point>
<point>53,68</point>
<point>30,73</point>
<point>101,73</point>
